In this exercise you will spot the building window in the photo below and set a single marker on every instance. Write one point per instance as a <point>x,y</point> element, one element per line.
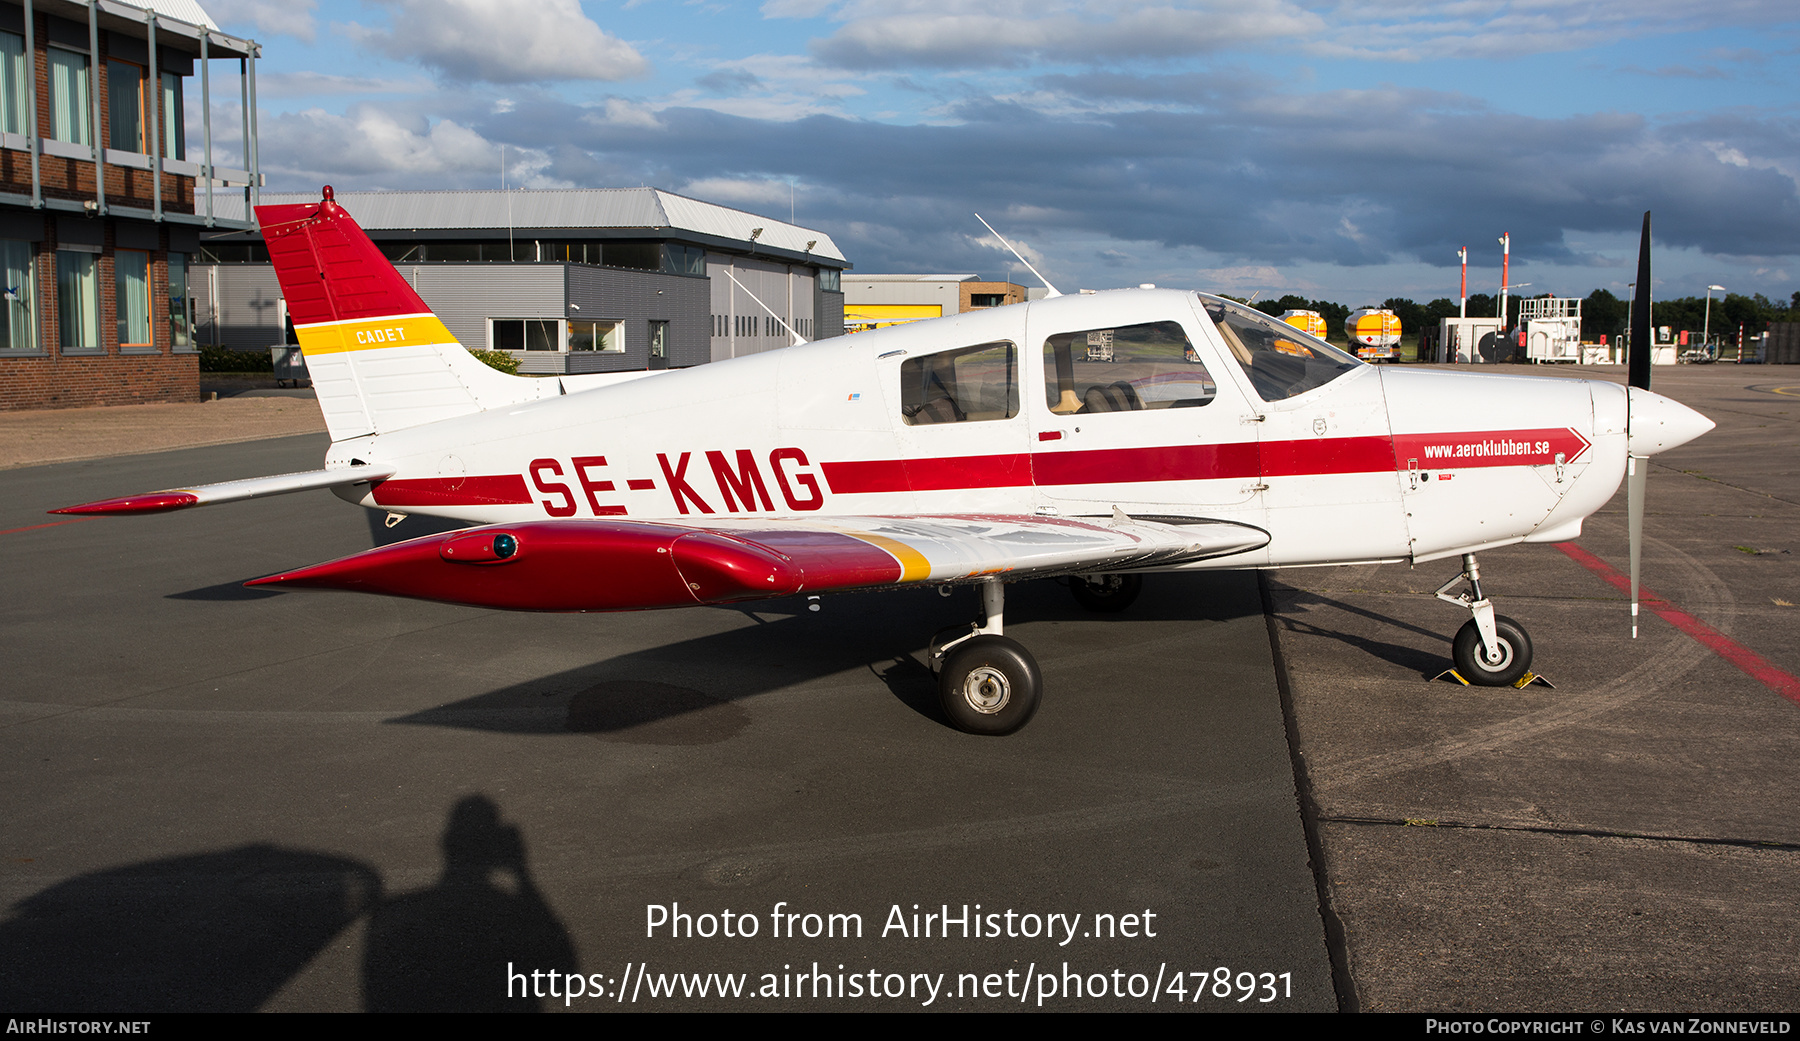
<point>12,83</point>
<point>125,106</point>
<point>17,331</point>
<point>597,336</point>
<point>69,104</point>
<point>659,339</point>
<point>526,334</point>
<point>181,306</point>
<point>174,118</point>
<point>831,280</point>
<point>987,300</point>
<point>131,282</point>
<point>683,260</point>
<point>78,300</point>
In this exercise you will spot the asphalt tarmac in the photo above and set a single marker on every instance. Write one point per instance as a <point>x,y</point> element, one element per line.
<point>225,798</point>
<point>1626,841</point>
<point>234,799</point>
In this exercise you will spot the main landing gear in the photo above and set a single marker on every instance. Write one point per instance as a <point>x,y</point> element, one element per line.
<point>987,684</point>
<point>1490,650</point>
<point>1106,594</point>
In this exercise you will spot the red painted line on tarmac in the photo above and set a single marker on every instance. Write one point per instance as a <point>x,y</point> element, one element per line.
<point>1754,665</point>
<point>51,524</point>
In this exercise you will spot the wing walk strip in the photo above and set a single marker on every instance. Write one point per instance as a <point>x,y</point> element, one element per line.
<point>1753,665</point>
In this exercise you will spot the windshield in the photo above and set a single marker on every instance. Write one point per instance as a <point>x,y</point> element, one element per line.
<point>1280,360</point>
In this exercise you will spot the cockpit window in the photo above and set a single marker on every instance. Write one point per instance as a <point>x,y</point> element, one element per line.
<point>1133,368</point>
<point>961,386</point>
<point>1280,360</point>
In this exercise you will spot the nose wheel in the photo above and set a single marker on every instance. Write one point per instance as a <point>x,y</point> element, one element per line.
<point>1507,663</point>
<point>1490,650</point>
<point>987,684</point>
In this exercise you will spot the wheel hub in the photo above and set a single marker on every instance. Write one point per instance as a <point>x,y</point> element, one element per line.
<point>1499,660</point>
<point>986,690</point>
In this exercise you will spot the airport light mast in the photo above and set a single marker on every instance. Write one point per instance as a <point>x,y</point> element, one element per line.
<point>1463,254</point>
<point>1505,273</point>
<point>1706,330</point>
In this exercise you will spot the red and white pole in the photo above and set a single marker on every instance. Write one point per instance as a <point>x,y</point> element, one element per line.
<point>1463,254</point>
<point>1505,273</point>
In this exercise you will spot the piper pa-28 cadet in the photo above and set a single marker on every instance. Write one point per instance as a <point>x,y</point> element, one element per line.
<point>1095,437</point>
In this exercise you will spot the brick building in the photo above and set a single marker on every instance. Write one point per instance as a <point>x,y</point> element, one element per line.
<point>873,301</point>
<point>101,205</point>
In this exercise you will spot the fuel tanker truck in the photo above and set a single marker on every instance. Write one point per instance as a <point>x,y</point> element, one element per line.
<point>1374,334</point>
<point>1309,322</point>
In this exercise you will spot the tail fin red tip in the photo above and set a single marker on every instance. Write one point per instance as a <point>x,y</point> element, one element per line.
<point>329,269</point>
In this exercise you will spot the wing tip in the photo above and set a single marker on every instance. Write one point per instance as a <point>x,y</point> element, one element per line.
<point>154,502</point>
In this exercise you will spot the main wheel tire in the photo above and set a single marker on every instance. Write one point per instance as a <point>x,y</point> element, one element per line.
<point>989,685</point>
<point>1106,593</point>
<point>1513,661</point>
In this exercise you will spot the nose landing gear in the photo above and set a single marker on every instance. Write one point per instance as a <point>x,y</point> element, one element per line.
<point>1490,650</point>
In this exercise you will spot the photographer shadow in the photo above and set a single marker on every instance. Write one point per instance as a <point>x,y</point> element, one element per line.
<point>442,949</point>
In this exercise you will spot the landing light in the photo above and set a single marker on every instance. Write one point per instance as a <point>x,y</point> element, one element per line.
<point>480,548</point>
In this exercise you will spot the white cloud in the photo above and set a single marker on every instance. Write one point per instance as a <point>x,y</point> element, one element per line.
<point>1013,33</point>
<point>372,147</point>
<point>1249,276</point>
<point>618,112</point>
<point>756,195</point>
<point>501,41</point>
<point>1032,255</point>
<point>1413,30</point>
<point>267,17</point>
<point>796,8</point>
<point>314,84</point>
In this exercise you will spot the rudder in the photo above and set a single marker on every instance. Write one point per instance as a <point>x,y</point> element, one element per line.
<point>379,359</point>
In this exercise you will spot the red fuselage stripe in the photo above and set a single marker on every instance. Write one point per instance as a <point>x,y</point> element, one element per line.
<point>488,490</point>
<point>1237,460</point>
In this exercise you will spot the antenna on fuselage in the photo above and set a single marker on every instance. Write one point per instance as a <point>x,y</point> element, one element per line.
<point>1021,256</point>
<point>798,339</point>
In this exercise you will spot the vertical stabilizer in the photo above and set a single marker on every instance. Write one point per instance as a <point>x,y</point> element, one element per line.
<point>378,358</point>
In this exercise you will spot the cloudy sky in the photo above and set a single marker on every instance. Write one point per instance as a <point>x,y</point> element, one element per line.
<point>1338,150</point>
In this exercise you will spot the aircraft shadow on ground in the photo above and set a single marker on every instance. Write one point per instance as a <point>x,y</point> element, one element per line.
<point>639,696</point>
<point>1427,664</point>
<point>414,526</point>
<point>379,535</point>
<point>225,592</point>
<point>226,931</point>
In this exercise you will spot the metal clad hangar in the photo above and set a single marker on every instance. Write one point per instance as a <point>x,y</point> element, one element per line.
<point>568,281</point>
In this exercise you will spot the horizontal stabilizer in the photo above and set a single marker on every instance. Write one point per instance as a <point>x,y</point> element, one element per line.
<point>632,565</point>
<point>231,491</point>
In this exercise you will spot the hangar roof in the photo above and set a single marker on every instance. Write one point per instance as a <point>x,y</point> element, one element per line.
<point>566,210</point>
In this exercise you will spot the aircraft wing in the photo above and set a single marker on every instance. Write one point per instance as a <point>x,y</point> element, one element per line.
<point>619,565</point>
<point>232,491</point>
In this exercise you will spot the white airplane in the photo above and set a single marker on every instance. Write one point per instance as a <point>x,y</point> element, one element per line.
<point>1095,437</point>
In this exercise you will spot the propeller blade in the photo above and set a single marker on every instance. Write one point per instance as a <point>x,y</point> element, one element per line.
<point>1637,358</point>
<point>1637,471</point>
<point>1637,366</point>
